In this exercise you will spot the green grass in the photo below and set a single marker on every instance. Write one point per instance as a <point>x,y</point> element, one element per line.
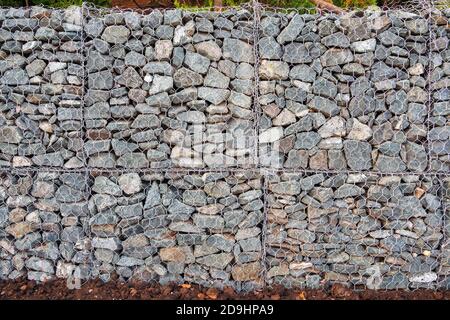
<point>53,3</point>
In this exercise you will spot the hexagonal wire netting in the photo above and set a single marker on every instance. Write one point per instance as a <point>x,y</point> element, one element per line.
<point>247,146</point>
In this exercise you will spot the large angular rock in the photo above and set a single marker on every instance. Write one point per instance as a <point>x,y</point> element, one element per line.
<point>358,154</point>
<point>238,51</point>
<point>116,34</point>
<point>292,30</point>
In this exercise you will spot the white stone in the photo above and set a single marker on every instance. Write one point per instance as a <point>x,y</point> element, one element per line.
<point>333,127</point>
<point>271,135</point>
<point>163,49</point>
<point>130,183</point>
<point>359,131</point>
<point>364,46</point>
<point>425,277</point>
<point>285,117</point>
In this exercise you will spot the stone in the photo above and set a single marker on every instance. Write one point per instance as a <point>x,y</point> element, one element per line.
<point>208,221</point>
<point>195,198</point>
<point>15,77</point>
<point>304,236</point>
<point>20,229</point>
<point>37,264</point>
<point>112,243</point>
<point>219,189</point>
<point>271,135</point>
<point>348,190</point>
<point>327,107</point>
<point>273,70</point>
<point>300,53</point>
<point>285,117</point>
<point>131,79</point>
<point>334,127</point>
<point>209,49</point>
<point>106,186</point>
<point>196,62</point>
<point>358,154</point>
<point>135,59</point>
<point>237,50</point>
<point>292,30</point>
<point>303,72</point>
<point>163,49</point>
<point>130,183</point>
<point>336,40</point>
<point>10,134</point>
<point>307,140</point>
<point>218,261</point>
<point>213,95</point>
<point>333,57</point>
<point>102,80</point>
<point>177,207</point>
<point>216,79</point>
<point>359,131</point>
<point>389,164</point>
<point>133,161</point>
<point>364,46</point>
<point>192,117</point>
<point>116,34</point>
<point>269,48</point>
<point>247,272</point>
<point>184,78</point>
<point>425,277</point>
<point>286,187</point>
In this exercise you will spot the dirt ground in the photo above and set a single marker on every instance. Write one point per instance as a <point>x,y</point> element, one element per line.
<point>114,290</point>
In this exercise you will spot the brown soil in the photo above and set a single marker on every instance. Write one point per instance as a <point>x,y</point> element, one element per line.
<point>96,290</point>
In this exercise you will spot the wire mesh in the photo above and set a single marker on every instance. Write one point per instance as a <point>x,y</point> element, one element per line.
<point>248,146</point>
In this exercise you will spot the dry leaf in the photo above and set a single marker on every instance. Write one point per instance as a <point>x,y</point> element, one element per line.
<point>301,295</point>
<point>185,285</point>
<point>212,293</point>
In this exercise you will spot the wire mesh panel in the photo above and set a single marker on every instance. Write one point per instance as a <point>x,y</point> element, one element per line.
<point>364,230</point>
<point>439,135</point>
<point>44,225</point>
<point>41,78</point>
<point>248,146</point>
<point>343,92</point>
<point>189,227</point>
<point>444,270</point>
<point>169,89</point>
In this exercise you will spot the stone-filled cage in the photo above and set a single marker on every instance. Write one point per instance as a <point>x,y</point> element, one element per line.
<point>249,146</point>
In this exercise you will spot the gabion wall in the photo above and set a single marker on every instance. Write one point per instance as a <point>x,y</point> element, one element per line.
<point>248,147</point>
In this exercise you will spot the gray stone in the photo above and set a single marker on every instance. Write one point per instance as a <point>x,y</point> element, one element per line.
<point>269,48</point>
<point>130,183</point>
<point>196,62</point>
<point>37,264</point>
<point>116,34</point>
<point>213,95</point>
<point>208,221</point>
<point>237,50</point>
<point>307,140</point>
<point>218,261</point>
<point>102,80</point>
<point>336,40</point>
<point>389,164</point>
<point>195,198</point>
<point>216,79</point>
<point>104,185</point>
<point>184,78</point>
<point>292,30</point>
<point>358,154</point>
<point>10,134</point>
<point>324,105</point>
<point>14,77</point>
